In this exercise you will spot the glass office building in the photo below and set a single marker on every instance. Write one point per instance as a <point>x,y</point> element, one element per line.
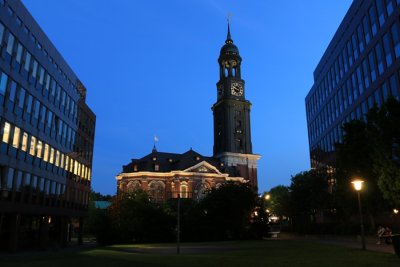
<point>359,69</point>
<point>46,137</point>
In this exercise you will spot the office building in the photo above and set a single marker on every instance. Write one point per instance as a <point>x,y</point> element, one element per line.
<point>359,69</point>
<point>46,137</point>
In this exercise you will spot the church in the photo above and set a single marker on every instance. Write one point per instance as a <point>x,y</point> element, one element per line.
<point>189,175</point>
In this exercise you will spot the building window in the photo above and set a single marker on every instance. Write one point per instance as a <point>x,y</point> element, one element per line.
<point>381,13</point>
<point>1,32</point>
<point>57,158</point>
<point>24,144</point>
<point>39,149</point>
<point>372,17</point>
<point>386,48</point>
<point>27,61</point>
<point>51,159</point>
<point>156,167</point>
<point>10,178</point>
<point>3,83</point>
<point>396,39</point>
<point>10,44</point>
<point>6,132</point>
<point>366,30</point>
<point>156,190</point>
<point>389,7</point>
<point>379,58</point>
<point>19,53</point>
<point>32,147</point>
<point>184,190</point>
<point>16,137</point>
<point>21,98</point>
<point>371,58</point>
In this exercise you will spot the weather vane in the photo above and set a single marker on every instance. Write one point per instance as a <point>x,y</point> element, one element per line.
<point>229,17</point>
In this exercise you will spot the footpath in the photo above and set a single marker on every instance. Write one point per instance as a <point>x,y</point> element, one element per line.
<point>345,241</point>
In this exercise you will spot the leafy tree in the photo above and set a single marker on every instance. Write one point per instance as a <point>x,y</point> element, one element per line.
<point>135,218</point>
<point>279,202</point>
<point>384,132</point>
<point>96,196</point>
<point>226,212</point>
<point>309,196</point>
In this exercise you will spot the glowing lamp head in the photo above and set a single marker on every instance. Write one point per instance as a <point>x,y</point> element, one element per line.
<point>267,196</point>
<point>358,184</point>
<point>395,211</point>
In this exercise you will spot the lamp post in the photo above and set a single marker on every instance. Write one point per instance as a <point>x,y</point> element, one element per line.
<point>178,226</point>
<point>358,187</point>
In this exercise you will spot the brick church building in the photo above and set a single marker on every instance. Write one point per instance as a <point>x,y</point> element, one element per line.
<point>165,175</point>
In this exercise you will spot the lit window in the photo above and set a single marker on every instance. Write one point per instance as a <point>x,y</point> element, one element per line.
<point>71,166</point>
<point>16,137</point>
<point>46,152</point>
<point>66,162</point>
<point>51,160</point>
<point>33,146</point>
<point>183,190</point>
<point>24,144</point>
<point>6,132</point>
<point>62,160</point>
<point>39,149</point>
<point>57,158</point>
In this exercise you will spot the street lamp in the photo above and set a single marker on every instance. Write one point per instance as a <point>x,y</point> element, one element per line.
<point>358,184</point>
<point>267,197</point>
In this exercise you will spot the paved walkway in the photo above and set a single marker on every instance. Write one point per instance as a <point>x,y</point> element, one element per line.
<point>346,241</point>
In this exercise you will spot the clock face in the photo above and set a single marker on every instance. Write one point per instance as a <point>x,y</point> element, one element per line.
<point>237,89</point>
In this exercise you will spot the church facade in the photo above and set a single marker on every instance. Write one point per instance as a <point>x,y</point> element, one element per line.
<point>190,175</point>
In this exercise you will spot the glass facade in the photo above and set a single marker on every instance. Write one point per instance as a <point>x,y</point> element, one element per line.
<point>359,69</point>
<point>46,128</point>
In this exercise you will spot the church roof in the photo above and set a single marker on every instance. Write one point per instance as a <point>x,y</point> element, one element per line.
<point>169,162</point>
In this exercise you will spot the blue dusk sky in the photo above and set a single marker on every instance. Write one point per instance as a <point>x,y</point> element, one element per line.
<point>150,68</point>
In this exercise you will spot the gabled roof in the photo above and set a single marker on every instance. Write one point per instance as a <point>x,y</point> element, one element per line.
<point>170,162</point>
<point>203,167</point>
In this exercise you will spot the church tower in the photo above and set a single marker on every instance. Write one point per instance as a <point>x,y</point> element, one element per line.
<point>232,136</point>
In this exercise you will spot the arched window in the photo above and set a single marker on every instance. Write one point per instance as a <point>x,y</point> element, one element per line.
<point>184,190</point>
<point>156,190</point>
<point>133,186</point>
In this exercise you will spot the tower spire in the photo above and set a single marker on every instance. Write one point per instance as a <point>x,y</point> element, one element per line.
<point>228,36</point>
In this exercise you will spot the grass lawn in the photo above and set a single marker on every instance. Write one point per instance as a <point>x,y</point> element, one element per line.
<point>273,253</point>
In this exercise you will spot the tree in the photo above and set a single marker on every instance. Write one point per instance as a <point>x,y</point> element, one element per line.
<point>279,202</point>
<point>309,197</point>
<point>384,131</point>
<point>135,218</point>
<point>226,211</point>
